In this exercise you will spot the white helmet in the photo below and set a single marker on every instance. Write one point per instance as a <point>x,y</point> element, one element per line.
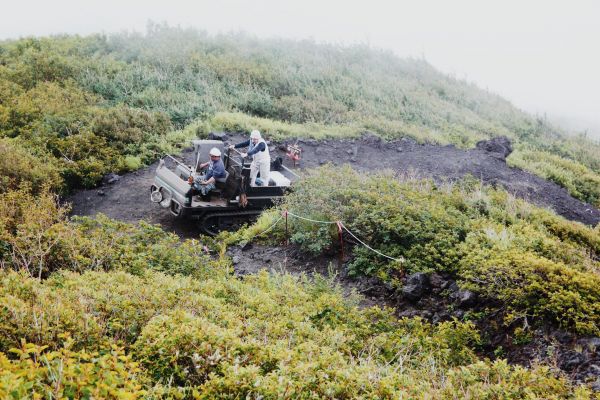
<point>215,152</point>
<point>255,134</point>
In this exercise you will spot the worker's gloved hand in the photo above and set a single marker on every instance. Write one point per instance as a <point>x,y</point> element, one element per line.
<point>244,155</point>
<point>231,147</point>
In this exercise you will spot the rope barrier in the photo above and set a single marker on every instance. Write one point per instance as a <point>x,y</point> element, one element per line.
<point>340,225</point>
<point>369,247</point>
<point>270,227</point>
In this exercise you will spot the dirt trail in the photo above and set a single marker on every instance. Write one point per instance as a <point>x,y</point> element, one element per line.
<point>128,198</point>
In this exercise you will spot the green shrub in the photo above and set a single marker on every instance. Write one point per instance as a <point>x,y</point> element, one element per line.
<point>528,259</point>
<point>267,335</point>
<point>63,373</point>
<point>19,166</point>
<point>502,381</point>
<point>38,239</point>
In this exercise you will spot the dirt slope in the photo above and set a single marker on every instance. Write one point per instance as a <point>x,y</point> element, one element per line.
<point>128,198</point>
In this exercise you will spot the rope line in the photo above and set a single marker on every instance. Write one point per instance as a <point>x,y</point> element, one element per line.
<point>340,224</point>
<point>271,227</point>
<point>369,247</point>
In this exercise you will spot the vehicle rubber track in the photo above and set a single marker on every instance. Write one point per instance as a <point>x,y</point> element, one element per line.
<point>211,224</point>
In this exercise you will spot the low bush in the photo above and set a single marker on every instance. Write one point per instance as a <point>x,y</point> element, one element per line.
<point>36,237</point>
<point>20,166</point>
<point>274,336</point>
<point>529,259</point>
<point>37,373</point>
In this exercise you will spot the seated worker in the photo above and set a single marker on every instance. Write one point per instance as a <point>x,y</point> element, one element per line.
<point>205,183</point>
<point>261,160</point>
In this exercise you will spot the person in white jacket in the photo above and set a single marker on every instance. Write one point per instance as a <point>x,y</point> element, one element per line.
<point>261,160</point>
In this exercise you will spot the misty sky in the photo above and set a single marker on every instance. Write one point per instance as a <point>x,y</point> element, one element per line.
<point>544,56</point>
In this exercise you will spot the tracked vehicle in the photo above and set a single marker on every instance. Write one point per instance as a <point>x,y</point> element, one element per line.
<point>232,203</point>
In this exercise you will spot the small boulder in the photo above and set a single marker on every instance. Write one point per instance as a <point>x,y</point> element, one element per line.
<point>440,317</point>
<point>236,260</point>
<point>436,280</point>
<point>100,193</point>
<point>371,138</point>
<point>498,147</point>
<point>222,136</point>
<point>592,343</point>
<point>451,286</point>
<point>415,286</point>
<point>111,178</point>
<point>465,298</point>
<point>572,360</point>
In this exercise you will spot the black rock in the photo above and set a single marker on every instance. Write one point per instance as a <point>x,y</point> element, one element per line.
<point>451,286</point>
<point>498,147</point>
<point>437,280</point>
<point>100,193</point>
<point>572,361</point>
<point>222,136</point>
<point>350,152</point>
<point>465,298</point>
<point>371,139</point>
<point>353,159</point>
<point>415,286</point>
<point>563,337</point>
<point>592,343</point>
<point>440,317</point>
<point>110,178</point>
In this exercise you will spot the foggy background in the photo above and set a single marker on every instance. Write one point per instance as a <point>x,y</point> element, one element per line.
<point>543,56</point>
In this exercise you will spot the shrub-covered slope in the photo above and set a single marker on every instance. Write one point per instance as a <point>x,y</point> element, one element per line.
<point>533,263</point>
<point>108,103</point>
<point>124,310</point>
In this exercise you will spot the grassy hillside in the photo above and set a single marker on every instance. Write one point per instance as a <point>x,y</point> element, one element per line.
<point>97,104</point>
<point>104,309</point>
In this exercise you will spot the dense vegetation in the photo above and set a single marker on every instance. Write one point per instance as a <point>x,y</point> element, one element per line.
<point>128,311</point>
<point>90,105</point>
<point>96,308</point>
<point>533,263</point>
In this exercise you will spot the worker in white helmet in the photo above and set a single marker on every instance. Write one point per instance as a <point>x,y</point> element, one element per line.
<point>261,160</point>
<point>205,183</point>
